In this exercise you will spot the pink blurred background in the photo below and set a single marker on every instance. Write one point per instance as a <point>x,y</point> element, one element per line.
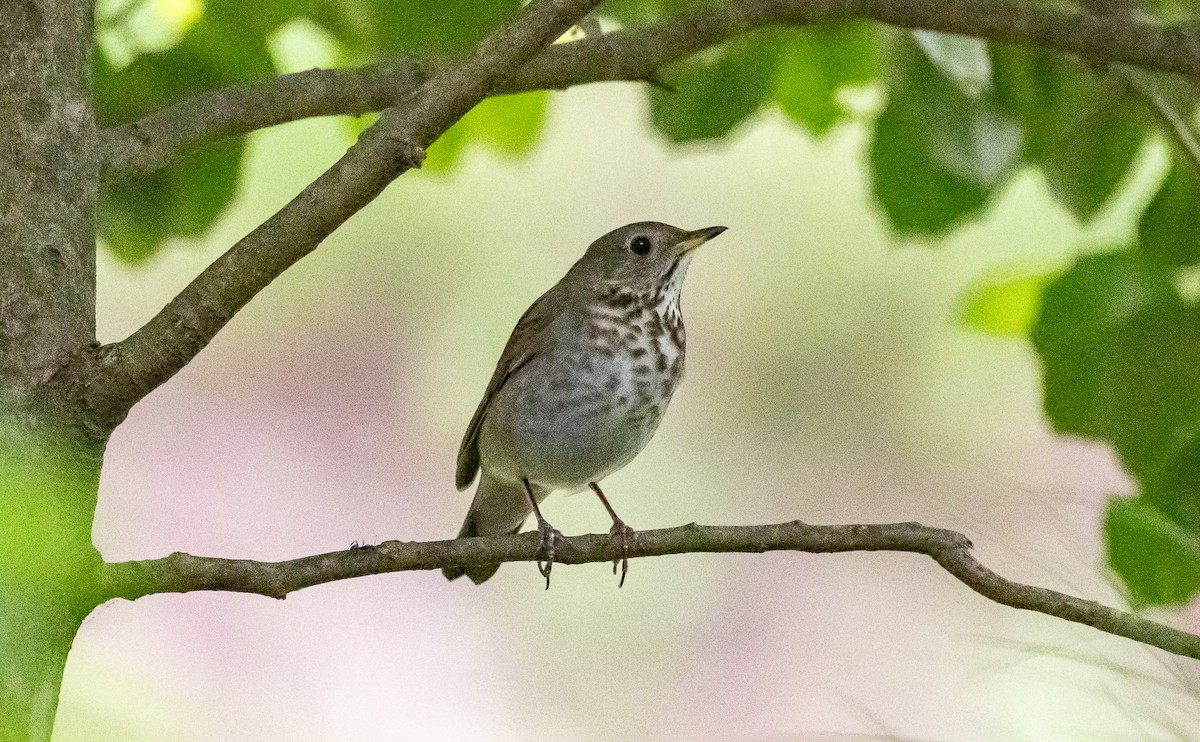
<point>828,380</point>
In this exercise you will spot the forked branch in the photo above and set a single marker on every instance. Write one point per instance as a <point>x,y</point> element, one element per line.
<point>123,373</point>
<point>427,102</point>
<point>185,573</point>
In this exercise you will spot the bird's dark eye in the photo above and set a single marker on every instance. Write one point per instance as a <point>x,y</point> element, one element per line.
<point>640,245</point>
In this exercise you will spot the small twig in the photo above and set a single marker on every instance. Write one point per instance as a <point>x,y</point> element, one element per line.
<point>184,572</point>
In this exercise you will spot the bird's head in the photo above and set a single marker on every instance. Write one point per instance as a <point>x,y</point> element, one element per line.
<point>644,258</point>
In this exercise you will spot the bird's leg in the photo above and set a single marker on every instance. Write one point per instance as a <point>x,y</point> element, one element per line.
<point>618,532</point>
<point>549,534</point>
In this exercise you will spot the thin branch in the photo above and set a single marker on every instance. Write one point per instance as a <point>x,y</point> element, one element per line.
<point>121,374</point>
<point>635,54</point>
<point>185,573</point>
<point>156,140</point>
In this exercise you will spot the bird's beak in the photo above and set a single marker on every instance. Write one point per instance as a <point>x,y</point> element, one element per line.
<point>692,240</point>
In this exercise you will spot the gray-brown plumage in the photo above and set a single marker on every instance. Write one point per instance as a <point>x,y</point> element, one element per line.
<point>581,385</point>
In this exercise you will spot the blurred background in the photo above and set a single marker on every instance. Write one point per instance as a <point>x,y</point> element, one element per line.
<point>830,379</point>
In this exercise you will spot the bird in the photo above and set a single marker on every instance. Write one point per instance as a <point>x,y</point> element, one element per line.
<point>580,387</point>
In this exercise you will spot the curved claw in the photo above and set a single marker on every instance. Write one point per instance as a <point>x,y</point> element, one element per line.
<point>549,535</point>
<point>624,534</point>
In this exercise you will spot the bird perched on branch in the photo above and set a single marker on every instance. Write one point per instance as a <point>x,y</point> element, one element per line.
<point>580,388</point>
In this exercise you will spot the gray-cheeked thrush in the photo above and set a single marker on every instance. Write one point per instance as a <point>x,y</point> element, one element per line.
<point>581,386</point>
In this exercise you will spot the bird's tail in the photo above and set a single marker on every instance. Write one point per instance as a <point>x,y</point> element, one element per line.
<point>498,509</point>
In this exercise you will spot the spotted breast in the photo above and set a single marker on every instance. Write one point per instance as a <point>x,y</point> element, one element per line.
<point>643,342</point>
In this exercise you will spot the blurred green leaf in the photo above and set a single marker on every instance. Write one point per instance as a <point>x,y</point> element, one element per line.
<point>1075,334</point>
<point>1170,227</point>
<point>46,499</point>
<point>1151,383</point>
<point>1081,128</point>
<point>640,12</point>
<point>937,154</point>
<point>1158,560</point>
<point>436,27</point>
<point>346,21</point>
<point>509,125</point>
<point>209,56</point>
<point>1046,92</point>
<point>1006,307</point>
<point>138,213</point>
<point>1121,358</point>
<point>1174,486</point>
<point>257,18</point>
<point>962,59</point>
<point>814,64</point>
<point>1169,513</point>
<point>712,95</point>
<point>1089,165</point>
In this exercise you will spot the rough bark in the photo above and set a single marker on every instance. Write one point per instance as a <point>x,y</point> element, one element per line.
<point>48,167</point>
<point>48,467</point>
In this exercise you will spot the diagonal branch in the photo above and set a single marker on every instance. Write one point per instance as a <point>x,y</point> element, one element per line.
<point>634,54</point>
<point>127,371</point>
<point>185,573</point>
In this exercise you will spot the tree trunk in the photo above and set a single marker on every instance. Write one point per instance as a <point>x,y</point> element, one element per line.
<point>48,189</point>
<point>49,468</point>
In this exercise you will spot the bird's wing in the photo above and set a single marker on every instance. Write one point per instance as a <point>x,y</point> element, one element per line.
<point>521,349</point>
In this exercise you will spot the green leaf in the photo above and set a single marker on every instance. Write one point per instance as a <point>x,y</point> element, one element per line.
<point>1121,358</point>
<point>1174,487</point>
<point>1158,560</point>
<point>207,57</point>
<point>937,154</point>
<point>346,23</point>
<point>1081,129</point>
<point>1151,379</point>
<point>641,12</point>
<point>1076,330</point>
<point>138,213</point>
<point>1005,307</point>
<point>509,125</point>
<point>257,18</point>
<point>814,64</point>
<point>1092,162</point>
<point>710,96</point>
<point>1170,227</point>
<point>436,27</point>
<point>962,59</point>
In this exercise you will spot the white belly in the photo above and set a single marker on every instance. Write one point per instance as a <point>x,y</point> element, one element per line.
<point>567,424</point>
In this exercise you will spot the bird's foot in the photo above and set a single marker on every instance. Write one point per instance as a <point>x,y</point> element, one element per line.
<point>550,536</point>
<point>622,536</point>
